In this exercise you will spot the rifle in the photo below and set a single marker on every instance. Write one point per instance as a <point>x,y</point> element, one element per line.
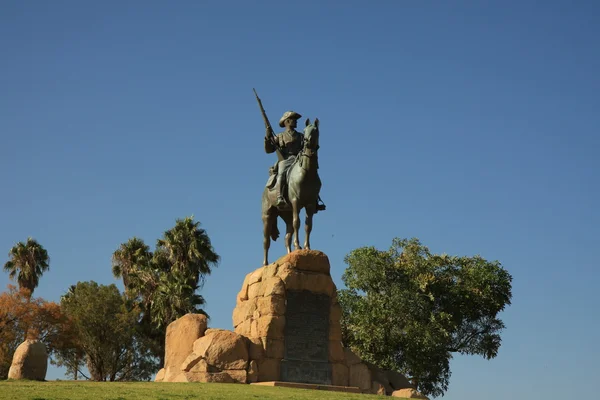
<point>271,135</point>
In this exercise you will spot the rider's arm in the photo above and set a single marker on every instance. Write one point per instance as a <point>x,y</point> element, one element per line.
<point>269,146</point>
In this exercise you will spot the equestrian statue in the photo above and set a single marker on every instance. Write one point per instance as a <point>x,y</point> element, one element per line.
<point>294,182</point>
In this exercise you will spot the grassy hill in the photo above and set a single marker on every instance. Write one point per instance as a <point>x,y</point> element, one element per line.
<point>70,390</point>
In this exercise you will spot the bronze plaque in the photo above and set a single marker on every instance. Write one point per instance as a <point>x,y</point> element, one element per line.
<point>306,358</point>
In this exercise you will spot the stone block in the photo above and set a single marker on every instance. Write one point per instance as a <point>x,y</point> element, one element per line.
<point>271,305</point>
<point>268,326</point>
<point>273,286</point>
<point>336,351</point>
<point>200,366</point>
<point>190,361</point>
<point>243,293</point>
<point>255,290</point>
<point>274,348</point>
<point>252,372</point>
<point>339,374</point>
<point>255,276</point>
<point>409,394</point>
<point>269,369</point>
<point>311,281</point>
<point>256,348</point>
<point>238,375</point>
<point>160,375</point>
<point>309,260</point>
<point>243,311</point>
<point>208,377</point>
<point>179,340</point>
<point>223,349</point>
<point>244,328</point>
<point>335,312</point>
<point>360,376</point>
<point>335,330</point>
<point>177,377</point>
<point>270,270</point>
<point>350,357</point>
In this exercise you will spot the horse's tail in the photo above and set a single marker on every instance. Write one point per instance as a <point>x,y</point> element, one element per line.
<point>274,230</point>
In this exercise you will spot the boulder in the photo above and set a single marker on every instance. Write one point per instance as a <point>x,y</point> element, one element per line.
<point>409,394</point>
<point>224,350</point>
<point>179,340</point>
<point>160,375</point>
<point>30,361</point>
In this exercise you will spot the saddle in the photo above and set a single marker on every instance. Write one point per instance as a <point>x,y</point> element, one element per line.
<point>273,171</point>
<point>271,181</point>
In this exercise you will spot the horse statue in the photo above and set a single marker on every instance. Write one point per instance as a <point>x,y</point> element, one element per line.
<point>301,191</point>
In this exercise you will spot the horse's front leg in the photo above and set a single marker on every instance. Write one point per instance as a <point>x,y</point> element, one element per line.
<point>266,238</point>
<point>308,226</point>
<point>296,223</point>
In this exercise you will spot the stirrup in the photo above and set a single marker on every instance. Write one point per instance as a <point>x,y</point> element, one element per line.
<point>280,202</point>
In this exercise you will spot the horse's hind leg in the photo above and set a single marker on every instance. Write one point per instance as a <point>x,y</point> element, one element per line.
<point>308,226</point>
<point>266,237</point>
<point>289,230</point>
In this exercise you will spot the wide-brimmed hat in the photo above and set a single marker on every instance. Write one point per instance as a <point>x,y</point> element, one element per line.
<point>289,114</point>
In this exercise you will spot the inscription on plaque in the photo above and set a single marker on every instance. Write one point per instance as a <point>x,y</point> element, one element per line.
<point>306,356</point>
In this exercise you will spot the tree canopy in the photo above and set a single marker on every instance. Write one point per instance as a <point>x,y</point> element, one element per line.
<point>27,262</point>
<point>106,328</point>
<point>409,310</point>
<point>164,284</point>
<point>23,317</point>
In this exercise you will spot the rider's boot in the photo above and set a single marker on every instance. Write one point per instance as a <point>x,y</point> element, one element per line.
<point>280,200</point>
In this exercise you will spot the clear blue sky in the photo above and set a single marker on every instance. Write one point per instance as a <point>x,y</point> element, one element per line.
<point>472,126</point>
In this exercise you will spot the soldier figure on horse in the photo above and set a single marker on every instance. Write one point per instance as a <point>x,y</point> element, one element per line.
<point>289,143</point>
<point>294,182</point>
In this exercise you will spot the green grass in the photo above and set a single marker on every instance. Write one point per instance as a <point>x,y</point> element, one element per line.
<point>71,390</point>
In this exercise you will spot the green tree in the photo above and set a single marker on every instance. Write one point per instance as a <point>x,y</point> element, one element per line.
<point>164,284</point>
<point>128,259</point>
<point>188,250</point>
<point>106,326</point>
<point>23,317</point>
<point>27,263</point>
<point>409,310</point>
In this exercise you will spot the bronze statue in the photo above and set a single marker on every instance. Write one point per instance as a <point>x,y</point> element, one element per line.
<point>294,182</point>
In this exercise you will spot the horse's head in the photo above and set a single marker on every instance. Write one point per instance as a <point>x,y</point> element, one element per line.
<point>311,135</point>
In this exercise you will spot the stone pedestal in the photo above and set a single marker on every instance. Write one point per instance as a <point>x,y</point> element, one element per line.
<point>290,313</point>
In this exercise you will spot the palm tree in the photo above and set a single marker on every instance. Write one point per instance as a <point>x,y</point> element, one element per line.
<point>127,261</point>
<point>27,263</point>
<point>188,249</point>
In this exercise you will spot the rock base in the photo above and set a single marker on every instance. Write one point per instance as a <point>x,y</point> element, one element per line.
<point>287,332</point>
